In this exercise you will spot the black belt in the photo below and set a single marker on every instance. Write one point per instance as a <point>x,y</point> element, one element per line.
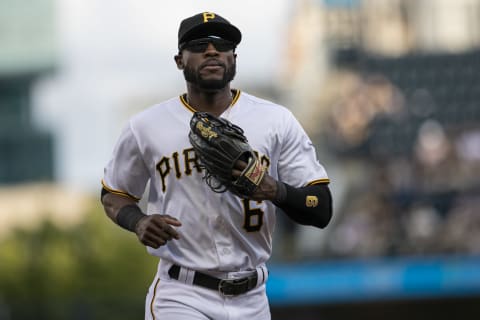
<point>227,287</point>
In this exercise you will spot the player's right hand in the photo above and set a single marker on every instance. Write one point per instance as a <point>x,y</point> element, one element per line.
<point>155,230</point>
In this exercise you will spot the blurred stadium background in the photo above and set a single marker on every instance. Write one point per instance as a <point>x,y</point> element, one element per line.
<point>388,90</point>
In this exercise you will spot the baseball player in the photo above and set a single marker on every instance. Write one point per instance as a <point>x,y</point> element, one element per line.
<point>213,247</point>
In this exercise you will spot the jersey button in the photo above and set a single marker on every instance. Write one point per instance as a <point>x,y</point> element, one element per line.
<point>225,251</point>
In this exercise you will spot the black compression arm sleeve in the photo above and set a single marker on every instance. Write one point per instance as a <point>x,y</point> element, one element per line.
<point>310,205</point>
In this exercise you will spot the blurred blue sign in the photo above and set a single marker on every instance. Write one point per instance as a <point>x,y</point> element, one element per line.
<point>346,281</point>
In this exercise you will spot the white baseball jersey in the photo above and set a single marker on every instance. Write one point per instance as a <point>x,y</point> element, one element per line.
<point>220,231</point>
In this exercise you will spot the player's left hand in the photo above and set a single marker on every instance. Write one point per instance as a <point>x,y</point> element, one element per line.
<point>266,190</point>
<point>218,144</point>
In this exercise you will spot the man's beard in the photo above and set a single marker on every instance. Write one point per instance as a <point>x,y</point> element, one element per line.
<point>193,76</point>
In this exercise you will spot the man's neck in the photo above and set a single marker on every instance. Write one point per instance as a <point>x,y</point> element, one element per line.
<point>214,102</point>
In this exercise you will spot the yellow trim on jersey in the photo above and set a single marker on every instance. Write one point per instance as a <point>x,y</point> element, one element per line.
<point>153,298</point>
<point>185,104</point>
<point>318,181</point>
<point>236,96</point>
<point>119,192</point>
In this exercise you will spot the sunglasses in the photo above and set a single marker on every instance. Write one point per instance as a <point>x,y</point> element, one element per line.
<point>200,45</point>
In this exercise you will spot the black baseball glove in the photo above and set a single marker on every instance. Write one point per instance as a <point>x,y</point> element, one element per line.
<point>219,144</point>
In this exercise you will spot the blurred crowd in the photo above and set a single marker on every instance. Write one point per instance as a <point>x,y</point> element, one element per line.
<point>424,204</point>
<point>406,136</point>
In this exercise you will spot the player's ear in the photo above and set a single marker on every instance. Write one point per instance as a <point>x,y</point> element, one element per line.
<point>179,61</point>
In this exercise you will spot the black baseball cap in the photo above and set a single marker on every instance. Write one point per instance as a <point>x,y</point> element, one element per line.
<point>207,24</point>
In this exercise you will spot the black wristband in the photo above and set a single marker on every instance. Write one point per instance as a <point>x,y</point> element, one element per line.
<point>128,216</point>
